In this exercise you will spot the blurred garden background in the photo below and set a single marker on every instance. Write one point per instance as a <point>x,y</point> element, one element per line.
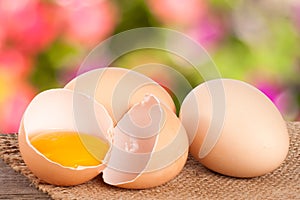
<point>43,42</point>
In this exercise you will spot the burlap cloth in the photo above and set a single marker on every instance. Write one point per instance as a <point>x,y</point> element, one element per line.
<point>194,182</point>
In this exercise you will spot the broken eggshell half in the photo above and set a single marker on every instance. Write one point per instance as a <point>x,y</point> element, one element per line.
<point>148,146</point>
<point>61,110</point>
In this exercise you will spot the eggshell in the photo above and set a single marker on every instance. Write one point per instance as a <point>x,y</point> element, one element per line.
<point>252,139</point>
<point>142,147</point>
<point>61,109</point>
<point>137,118</point>
<point>150,147</point>
<point>118,89</point>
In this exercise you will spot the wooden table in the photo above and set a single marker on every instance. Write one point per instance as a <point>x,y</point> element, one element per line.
<point>15,186</point>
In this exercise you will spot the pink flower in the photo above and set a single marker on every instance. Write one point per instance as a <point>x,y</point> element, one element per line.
<point>31,25</point>
<point>270,89</point>
<point>14,64</point>
<point>15,93</point>
<point>208,32</point>
<point>178,13</point>
<point>13,105</point>
<point>282,97</point>
<point>295,14</point>
<point>2,35</point>
<point>88,22</point>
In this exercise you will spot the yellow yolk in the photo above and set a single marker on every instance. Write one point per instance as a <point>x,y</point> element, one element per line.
<point>70,149</point>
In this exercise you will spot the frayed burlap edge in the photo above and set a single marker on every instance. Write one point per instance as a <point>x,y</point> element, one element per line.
<point>194,182</point>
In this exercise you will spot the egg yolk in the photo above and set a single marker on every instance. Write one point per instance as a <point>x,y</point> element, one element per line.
<point>70,149</point>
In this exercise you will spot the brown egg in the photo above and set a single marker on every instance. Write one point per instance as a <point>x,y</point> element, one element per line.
<point>234,129</point>
<point>118,89</point>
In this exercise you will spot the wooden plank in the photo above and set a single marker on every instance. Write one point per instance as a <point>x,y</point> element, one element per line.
<point>15,186</point>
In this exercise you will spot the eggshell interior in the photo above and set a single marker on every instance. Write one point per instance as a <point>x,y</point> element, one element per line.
<point>253,139</point>
<point>118,89</point>
<point>143,153</point>
<point>62,109</point>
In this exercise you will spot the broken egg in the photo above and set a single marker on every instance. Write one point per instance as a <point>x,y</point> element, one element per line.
<point>68,137</point>
<point>57,112</point>
<point>240,133</point>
